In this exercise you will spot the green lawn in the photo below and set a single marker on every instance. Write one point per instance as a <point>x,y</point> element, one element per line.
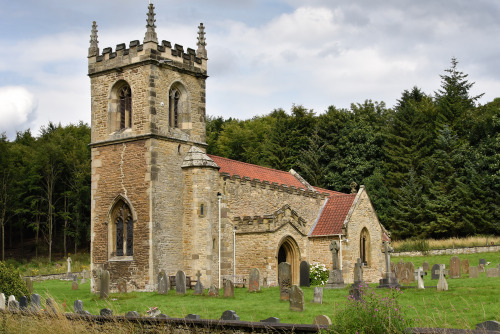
<point>468,301</point>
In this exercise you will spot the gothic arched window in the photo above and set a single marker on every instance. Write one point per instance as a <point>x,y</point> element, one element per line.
<point>125,107</point>
<point>123,230</point>
<point>174,103</point>
<point>365,247</point>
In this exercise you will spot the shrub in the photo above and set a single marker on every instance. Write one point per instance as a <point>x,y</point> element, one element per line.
<point>11,282</point>
<point>374,313</point>
<point>318,274</point>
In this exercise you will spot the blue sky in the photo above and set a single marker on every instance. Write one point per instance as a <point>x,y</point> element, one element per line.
<point>262,54</point>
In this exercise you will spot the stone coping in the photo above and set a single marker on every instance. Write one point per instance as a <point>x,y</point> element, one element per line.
<point>451,251</point>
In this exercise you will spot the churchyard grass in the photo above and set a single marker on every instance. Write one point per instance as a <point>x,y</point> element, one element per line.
<point>41,265</point>
<point>416,245</point>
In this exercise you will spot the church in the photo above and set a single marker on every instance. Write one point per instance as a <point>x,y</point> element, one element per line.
<point>160,202</point>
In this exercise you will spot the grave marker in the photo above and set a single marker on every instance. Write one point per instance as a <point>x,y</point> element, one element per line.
<point>180,282</point>
<point>492,272</point>
<point>318,295</point>
<point>2,301</point>
<point>305,269</point>
<point>335,277</point>
<point>35,303</point>
<point>482,261</point>
<point>13,305</point>
<point>229,315</point>
<point>389,279</point>
<point>465,266</point>
<point>162,283</point>
<point>442,284</point>
<point>213,291</point>
<point>51,306</point>
<point>192,317</point>
<point>84,277</point>
<point>254,280</point>
<point>435,271</point>
<point>106,312</point>
<point>296,299</point>
<point>228,289</point>
<point>454,267</point>
<point>322,320</point>
<point>271,320</point>
<point>132,315</point>
<point>473,272</point>
<point>425,266</point>
<point>419,273</point>
<point>78,306</point>
<point>23,303</point>
<point>104,286</point>
<point>68,260</point>
<point>410,269</point>
<point>198,288</point>
<point>285,280</point>
<point>122,286</point>
<point>74,285</point>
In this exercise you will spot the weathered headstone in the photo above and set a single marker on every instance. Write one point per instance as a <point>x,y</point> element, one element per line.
<point>389,279</point>
<point>455,267</point>
<point>106,312</point>
<point>68,260</point>
<point>254,280</point>
<point>271,320</point>
<point>411,269</point>
<point>180,282</point>
<point>335,277</point>
<point>228,289</point>
<point>29,284</point>
<point>305,270</point>
<point>192,317</point>
<point>492,272</point>
<point>35,303</point>
<point>480,268</point>
<point>23,303</point>
<point>399,269</point>
<point>465,266</point>
<point>425,266</point>
<point>296,299</point>
<point>473,272</point>
<point>482,261</point>
<point>162,283</point>
<point>198,288</point>
<point>2,301</point>
<point>78,306</point>
<point>285,280</point>
<point>51,306</point>
<point>229,315</point>
<point>132,315</point>
<point>489,325</point>
<point>318,295</point>
<point>435,271</point>
<point>442,284</point>
<point>358,273</point>
<point>74,285</point>
<point>104,288</point>
<point>419,273</point>
<point>13,305</point>
<point>322,320</point>
<point>406,275</point>
<point>213,291</point>
<point>122,286</point>
<point>84,277</point>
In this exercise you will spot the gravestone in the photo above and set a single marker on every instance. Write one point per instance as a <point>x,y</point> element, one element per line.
<point>228,289</point>
<point>355,290</point>
<point>389,279</point>
<point>35,302</point>
<point>162,283</point>
<point>2,301</point>
<point>322,320</point>
<point>74,285</point>
<point>69,266</point>
<point>254,280</point>
<point>442,284</point>
<point>411,269</point>
<point>482,261</point>
<point>13,305</point>
<point>399,268</point>
<point>84,277</point>
<point>489,325</point>
<point>198,288</point>
<point>318,295</point>
<point>23,303</point>
<point>132,315</point>
<point>229,315</point>
<point>465,266</point>
<point>435,271</point>
<point>285,280</point>
<point>192,317</point>
<point>296,299</point>
<point>271,320</point>
<point>104,286</point>
<point>122,286</point>
<point>335,277</point>
<point>305,269</point>
<point>473,272</point>
<point>51,306</point>
<point>29,284</point>
<point>78,306</point>
<point>96,280</point>
<point>213,291</point>
<point>419,273</point>
<point>454,267</point>
<point>492,272</point>
<point>480,268</point>
<point>180,282</point>
<point>425,266</point>
<point>106,312</point>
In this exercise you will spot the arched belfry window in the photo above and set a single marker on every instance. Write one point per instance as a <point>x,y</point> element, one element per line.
<point>122,230</point>
<point>120,107</point>
<point>365,247</point>
<point>125,107</point>
<point>175,104</point>
<point>178,107</point>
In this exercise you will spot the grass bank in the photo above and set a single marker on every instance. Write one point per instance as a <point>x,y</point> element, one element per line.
<point>428,244</point>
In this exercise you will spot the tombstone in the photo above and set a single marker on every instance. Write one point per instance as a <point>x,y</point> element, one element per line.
<point>254,280</point>
<point>492,272</point>
<point>11,298</point>
<point>69,266</point>
<point>132,315</point>
<point>489,325</point>
<point>473,272</point>
<point>442,284</point>
<point>78,306</point>
<point>482,261</point>
<point>51,306</point>
<point>228,289</point>
<point>2,301</point>
<point>322,320</point>
<point>465,266</point>
<point>229,315</point>
<point>192,317</point>
<point>335,277</point>
<point>399,269</point>
<point>162,283</point>
<point>296,299</point>
<point>23,303</point>
<point>425,266</point>
<point>480,268</point>
<point>35,303</point>
<point>285,280</point>
<point>180,282</point>
<point>74,285</point>
<point>419,273</point>
<point>435,271</point>
<point>454,267</point>
<point>389,279</point>
<point>358,273</point>
<point>198,288</point>
<point>122,286</point>
<point>271,320</point>
<point>29,284</point>
<point>318,295</point>
<point>13,305</point>
<point>406,275</point>
<point>411,269</point>
<point>106,312</point>
<point>213,291</point>
<point>84,277</point>
<point>305,269</point>
<point>104,286</point>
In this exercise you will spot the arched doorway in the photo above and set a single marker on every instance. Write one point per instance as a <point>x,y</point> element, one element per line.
<point>288,251</point>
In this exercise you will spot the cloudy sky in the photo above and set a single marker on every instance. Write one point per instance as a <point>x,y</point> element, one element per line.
<point>262,54</point>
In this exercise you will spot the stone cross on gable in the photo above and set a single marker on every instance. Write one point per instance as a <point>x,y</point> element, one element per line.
<point>387,250</point>
<point>335,248</point>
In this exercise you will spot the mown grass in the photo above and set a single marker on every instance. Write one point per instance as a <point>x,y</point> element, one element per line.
<point>428,244</point>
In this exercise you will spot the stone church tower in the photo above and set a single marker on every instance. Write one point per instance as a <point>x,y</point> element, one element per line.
<point>148,111</point>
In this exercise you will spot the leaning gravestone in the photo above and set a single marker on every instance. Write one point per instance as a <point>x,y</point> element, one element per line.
<point>23,303</point>
<point>104,288</point>
<point>162,283</point>
<point>492,272</point>
<point>425,266</point>
<point>322,320</point>
<point>228,289</point>
<point>2,301</point>
<point>51,306</point>
<point>318,295</point>
<point>35,302</point>
<point>442,284</point>
<point>305,269</point>
<point>296,299</point>
<point>435,271</point>
<point>335,278</point>
<point>229,315</point>
<point>180,282</point>
<point>254,280</point>
<point>454,267</point>
<point>473,272</point>
<point>285,280</point>
<point>465,266</point>
<point>198,288</point>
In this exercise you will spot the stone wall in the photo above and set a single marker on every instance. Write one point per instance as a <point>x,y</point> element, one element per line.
<point>451,251</point>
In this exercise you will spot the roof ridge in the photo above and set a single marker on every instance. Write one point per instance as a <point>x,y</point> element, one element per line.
<point>246,163</point>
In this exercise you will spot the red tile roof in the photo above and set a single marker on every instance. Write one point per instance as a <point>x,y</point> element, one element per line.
<point>233,167</point>
<point>333,215</point>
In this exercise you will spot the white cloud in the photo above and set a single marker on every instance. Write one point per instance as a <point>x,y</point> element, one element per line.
<point>17,106</point>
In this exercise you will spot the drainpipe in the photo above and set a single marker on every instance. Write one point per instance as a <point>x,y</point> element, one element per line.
<point>219,196</point>
<point>340,239</point>
<point>234,253</point>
